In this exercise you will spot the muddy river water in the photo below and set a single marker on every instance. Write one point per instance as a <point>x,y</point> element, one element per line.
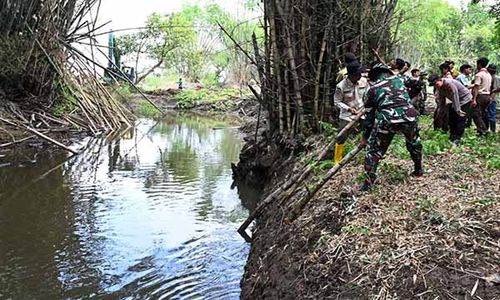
<point>145,214</point>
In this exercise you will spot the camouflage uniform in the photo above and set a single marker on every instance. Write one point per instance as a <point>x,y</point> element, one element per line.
<point>389,111</point>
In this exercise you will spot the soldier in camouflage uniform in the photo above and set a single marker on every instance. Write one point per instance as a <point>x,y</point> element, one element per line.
<point>388,111</point>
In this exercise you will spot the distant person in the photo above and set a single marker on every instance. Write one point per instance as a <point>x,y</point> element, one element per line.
<point>397,66</point>
<point>453,72</point>
<point>180,84</point>
<point>445,70</point>
<point>417,91</point>
<point>463,78</point>
<point>461,98</point>
<point>481,95</point>
<point>415,73</point>
<point>495,96</point>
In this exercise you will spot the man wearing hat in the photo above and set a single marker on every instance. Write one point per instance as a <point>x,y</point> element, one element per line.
<point>460,107</point>
<point>388,111</point>
<point>348,98</point>
<point>495,94</point>
<point>349,94</point>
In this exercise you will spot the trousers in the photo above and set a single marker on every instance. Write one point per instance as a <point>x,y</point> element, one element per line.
<point>380,139</point>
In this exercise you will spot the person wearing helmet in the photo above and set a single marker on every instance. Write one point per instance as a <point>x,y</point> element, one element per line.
<point>388,111</point>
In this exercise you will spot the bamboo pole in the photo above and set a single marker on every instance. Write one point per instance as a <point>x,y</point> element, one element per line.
<point>297,209</point>
<point>43,136</point>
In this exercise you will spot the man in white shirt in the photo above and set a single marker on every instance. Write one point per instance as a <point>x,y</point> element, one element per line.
<point>349,94</point>
<point>481,95</point>
<point>348,98</point>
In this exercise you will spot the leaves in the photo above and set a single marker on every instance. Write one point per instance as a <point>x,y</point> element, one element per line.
<point>433,30</point>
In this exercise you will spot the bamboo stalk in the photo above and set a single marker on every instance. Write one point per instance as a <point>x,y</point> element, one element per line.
<point>297,209</point>
<point>38,133</point>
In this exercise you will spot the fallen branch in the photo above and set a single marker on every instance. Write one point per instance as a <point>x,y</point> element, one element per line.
<point>278,193</point>
<point>344,133</point>
<point>302,203</point>
<point>38,133</point>
<point>16,142</point>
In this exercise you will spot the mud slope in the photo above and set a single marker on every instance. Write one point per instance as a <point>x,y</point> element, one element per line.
<point>436,237</point>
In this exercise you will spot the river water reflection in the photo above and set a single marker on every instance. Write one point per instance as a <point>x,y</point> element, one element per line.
<point>149,214</point>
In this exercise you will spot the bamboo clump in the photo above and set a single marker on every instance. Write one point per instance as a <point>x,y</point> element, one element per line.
<point>41,68</point>
<point>304,43</point>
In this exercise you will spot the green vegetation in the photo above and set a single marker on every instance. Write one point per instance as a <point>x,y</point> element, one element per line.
<point>356,230</point>
<point>66,102</point>
<point>219,99</point>
<point>147,110</point>
<point>189,43</point>
<point>434,30</point>
<point>436,142</point>
<point>161,82</point>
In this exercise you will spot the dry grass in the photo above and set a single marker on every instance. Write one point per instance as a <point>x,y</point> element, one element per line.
<point>436,237</point>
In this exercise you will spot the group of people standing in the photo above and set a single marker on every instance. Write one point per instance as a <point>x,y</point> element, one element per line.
<point>393,100</point>
<point>461,100</point>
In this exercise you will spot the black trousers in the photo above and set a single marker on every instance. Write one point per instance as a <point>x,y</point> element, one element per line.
<point>480,114</point>
<point>458,123</point>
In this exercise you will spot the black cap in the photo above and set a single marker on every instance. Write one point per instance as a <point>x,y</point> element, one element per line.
<point>492,68</point>
<point>433,78</point>
<point>354,68</point>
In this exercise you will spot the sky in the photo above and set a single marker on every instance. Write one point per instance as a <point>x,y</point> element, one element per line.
<point>133,13</point>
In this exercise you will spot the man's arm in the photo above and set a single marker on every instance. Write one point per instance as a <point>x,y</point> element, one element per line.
<point>377,55</point>
<point>453,90</point>
<point>475,89</point>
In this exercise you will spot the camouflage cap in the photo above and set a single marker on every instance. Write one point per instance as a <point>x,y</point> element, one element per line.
<point>377,68</point>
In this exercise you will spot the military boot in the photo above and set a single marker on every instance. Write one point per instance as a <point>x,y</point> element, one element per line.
<point>418,170</point>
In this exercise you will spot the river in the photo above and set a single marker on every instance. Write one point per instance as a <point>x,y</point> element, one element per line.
<point>148,213</point>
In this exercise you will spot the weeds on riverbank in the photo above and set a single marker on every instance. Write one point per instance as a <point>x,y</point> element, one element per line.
<point>147,110</point>
<point>218,99</point>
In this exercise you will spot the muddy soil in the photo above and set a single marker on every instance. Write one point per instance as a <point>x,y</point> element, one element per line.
<point>436,237</point>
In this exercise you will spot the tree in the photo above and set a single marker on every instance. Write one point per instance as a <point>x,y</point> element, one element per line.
<point>432,31</point>
<point>160,41</point>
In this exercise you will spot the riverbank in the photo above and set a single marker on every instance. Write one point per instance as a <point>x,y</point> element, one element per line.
<point>411,238</point>
<point>66,130</point>
<point>203,99</point>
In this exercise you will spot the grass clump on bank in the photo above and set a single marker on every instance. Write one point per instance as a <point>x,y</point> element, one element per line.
<point>217,99</point>
<point>147,110</point>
